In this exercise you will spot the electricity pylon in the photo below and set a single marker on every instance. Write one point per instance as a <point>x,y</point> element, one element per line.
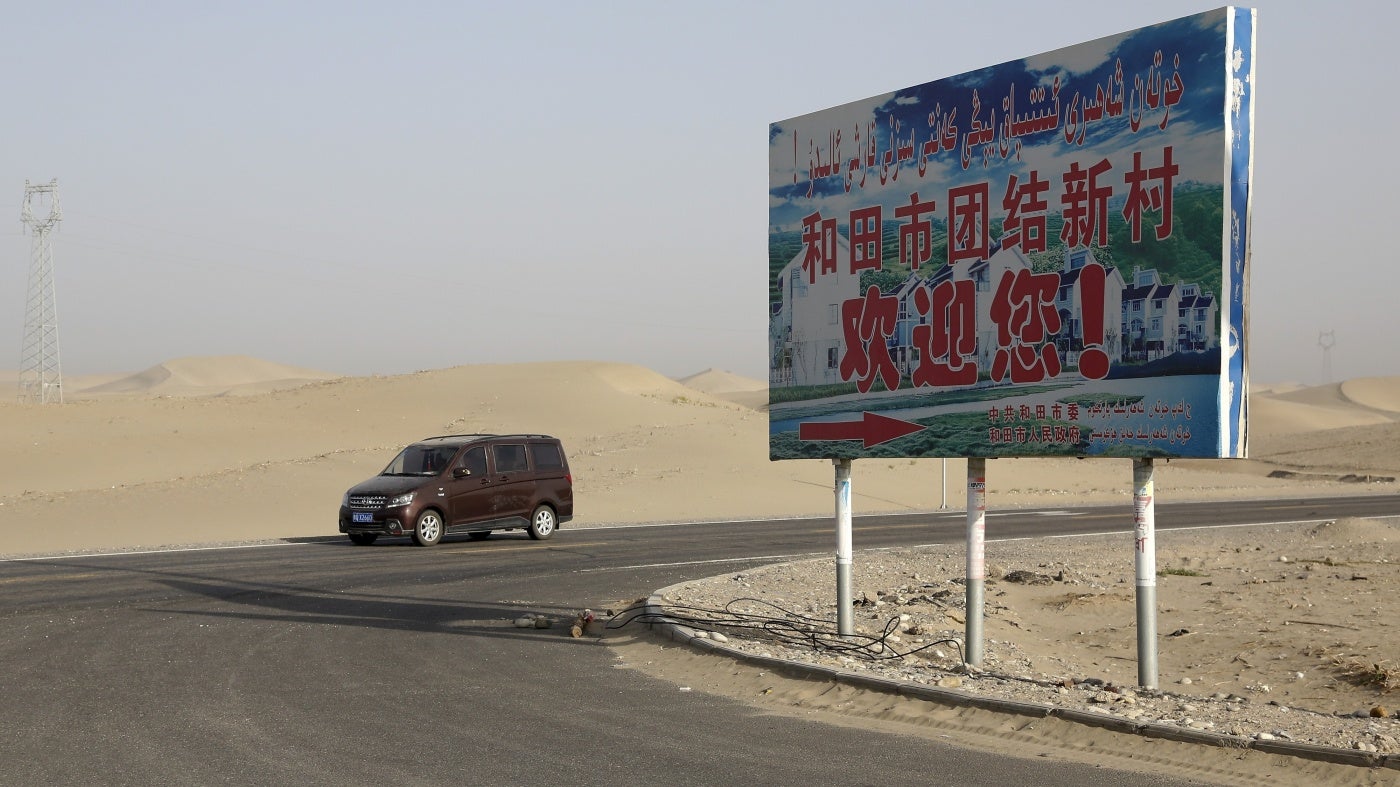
<point>40,375</point>
<point>1327,340</point>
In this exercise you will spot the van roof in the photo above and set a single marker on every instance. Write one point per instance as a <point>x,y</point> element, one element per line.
<point>463,439</point>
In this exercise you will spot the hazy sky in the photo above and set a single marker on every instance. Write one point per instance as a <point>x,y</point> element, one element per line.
<point>385,187</point>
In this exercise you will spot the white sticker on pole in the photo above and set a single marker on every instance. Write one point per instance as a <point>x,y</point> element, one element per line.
<point>976,527</point>
<point>1144,526</point>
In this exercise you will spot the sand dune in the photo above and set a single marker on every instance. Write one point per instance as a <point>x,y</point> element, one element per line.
<point>1376,393</point>
<point>730,387</point>
<point>206,376</point>
<point>720,381</point>
<point>1308,411</point>
<point>232,448</point>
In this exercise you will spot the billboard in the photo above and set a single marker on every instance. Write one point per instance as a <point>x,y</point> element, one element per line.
<point>1047,257</point>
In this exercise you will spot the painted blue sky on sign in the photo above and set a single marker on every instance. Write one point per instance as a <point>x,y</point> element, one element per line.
<point>799,146</point>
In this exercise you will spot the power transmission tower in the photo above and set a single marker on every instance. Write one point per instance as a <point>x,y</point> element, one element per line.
<point>40,377</point>
<point>1327,340</point>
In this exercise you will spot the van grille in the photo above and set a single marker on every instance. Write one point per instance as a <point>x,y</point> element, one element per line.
<point>367,501</point>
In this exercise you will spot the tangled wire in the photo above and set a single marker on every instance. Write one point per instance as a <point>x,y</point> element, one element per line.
<point>786,627</point>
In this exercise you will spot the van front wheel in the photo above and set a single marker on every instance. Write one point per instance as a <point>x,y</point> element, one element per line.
<point>542,523</point>
<point>428,531</point>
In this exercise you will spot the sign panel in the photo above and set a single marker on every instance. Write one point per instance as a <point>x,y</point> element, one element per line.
<point>1048,257</point>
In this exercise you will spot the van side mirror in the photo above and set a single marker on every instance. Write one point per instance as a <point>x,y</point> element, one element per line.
<point>461,472</point>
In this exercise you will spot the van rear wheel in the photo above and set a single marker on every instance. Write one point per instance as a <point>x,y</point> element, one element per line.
<point>542,523</point>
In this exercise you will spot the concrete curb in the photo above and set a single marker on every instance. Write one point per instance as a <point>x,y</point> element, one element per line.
<point>686,635</point>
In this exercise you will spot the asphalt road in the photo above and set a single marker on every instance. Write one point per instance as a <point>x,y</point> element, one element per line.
<point>318,662</point>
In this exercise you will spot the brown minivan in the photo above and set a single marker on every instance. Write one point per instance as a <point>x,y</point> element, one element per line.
<point>473,484</point>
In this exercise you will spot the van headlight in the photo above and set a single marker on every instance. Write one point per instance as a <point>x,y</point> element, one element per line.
<point>401,500</point>
<point>345,500</point>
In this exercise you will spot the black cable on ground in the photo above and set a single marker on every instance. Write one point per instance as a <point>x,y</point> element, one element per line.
<point>787,627</point>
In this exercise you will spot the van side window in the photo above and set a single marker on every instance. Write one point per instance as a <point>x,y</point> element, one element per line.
<point>475,460</point>
<point>509,458</point>
<point>546,456</point>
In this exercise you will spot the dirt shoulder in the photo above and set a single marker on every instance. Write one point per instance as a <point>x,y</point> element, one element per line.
<point>1265,634</point>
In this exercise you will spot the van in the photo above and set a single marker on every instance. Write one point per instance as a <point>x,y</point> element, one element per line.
<point>474,484</point>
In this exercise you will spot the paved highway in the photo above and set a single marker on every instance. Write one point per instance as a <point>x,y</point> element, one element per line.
<point>317,662</point>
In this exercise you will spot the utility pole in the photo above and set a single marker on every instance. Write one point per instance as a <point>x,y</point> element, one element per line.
<point>40,375</point>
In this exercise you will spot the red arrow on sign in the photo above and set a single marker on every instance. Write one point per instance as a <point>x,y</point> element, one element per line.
<point>872,429</point>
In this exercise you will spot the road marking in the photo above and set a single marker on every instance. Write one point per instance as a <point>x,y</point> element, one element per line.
<point>1184,528</point>
<point>990,540</point>
<point>151,551</point>
<point>1262,524</point>
<point>467,550</point>
<point>50,577</point>
<point>857,517</point>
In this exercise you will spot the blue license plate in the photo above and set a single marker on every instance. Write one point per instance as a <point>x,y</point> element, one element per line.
<point>361,516</point>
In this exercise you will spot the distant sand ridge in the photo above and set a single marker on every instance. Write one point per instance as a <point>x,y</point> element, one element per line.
<point>233,448</point>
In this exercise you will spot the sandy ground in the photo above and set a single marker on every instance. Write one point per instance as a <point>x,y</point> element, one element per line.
<point>211,450</point>
<point>1264,633</point>
<point>234,448</point>
<point>995,734</point>
<point>1300,615</point>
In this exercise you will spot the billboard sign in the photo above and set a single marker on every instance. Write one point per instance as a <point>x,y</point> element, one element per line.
<point>1046,257</point>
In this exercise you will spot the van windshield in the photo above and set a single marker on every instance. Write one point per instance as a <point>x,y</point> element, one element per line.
<point>422,460</point>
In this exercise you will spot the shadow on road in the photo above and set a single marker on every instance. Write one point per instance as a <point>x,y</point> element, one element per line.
<point>317,607</point>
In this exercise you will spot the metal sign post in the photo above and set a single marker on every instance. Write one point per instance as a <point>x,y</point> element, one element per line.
<point>1145,566</point>
<point>976,557</point>
<point>844,625</point>
<point>944,487</point>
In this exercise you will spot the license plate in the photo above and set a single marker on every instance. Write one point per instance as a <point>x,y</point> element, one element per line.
<point>361,516</point>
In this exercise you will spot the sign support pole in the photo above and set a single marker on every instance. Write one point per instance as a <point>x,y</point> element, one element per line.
<point>1145,566</point>
<point>976,558</point>
<point>844,613</point>
<point>944,488</point>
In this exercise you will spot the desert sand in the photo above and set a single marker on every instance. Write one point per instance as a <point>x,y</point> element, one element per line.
<point>1266,634</point>
<point>230,449</point>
